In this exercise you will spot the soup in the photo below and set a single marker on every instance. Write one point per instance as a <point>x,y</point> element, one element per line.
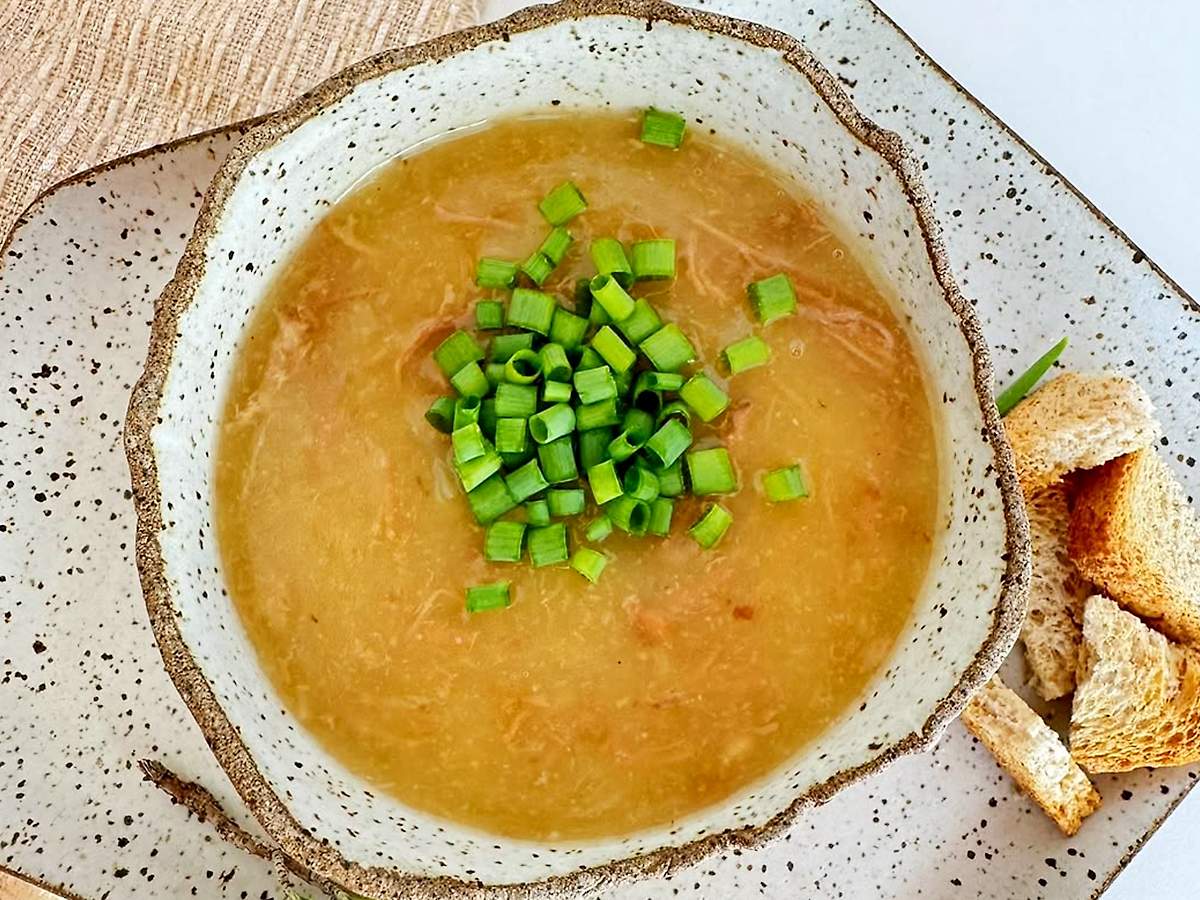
<point>683,674</point>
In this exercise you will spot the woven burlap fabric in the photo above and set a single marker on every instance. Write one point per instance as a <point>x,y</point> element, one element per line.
<point>83,81</point>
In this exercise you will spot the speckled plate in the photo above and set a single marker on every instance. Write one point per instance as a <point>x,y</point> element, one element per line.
<point>82,689</point>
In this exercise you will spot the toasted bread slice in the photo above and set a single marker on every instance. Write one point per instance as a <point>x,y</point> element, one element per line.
<point>1137,702</point>
<point>1134,535</point>
<point>1077,422</point>
<point>1056,595</point>
<point>1029,750</point>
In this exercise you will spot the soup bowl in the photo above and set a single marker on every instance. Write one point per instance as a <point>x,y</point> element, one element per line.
<point>746,83</point>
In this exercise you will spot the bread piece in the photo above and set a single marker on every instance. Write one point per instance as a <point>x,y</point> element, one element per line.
<point>1077,422</point>
<point>1134,535</point>
<point>1138,698</point>
<point>1056,594</point>
<point>1029,750</point>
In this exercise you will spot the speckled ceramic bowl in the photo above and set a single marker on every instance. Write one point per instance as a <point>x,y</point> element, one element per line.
<point>743,81</point>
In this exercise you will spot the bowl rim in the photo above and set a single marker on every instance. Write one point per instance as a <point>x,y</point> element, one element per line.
<point>320,858</point>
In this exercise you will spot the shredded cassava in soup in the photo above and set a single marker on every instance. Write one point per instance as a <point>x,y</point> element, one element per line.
<point>684,674</point>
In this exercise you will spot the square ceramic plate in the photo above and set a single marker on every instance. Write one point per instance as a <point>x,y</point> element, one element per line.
<point>82,689</point>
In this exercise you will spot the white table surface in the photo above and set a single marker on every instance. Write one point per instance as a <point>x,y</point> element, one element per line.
<point>1107,91</point>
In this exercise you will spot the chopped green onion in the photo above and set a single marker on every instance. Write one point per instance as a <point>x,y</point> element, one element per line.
<point>711,471</point>
<point>555,366</point>
<point>526,481</point>
<point>483,597</point>
<point>609,256</point>
<point>1025,382</point>
<point>711,526</point>
<point>782,485</point>
<point>668,349</point>
<point>568,502</point>
<point>597,316</point>
<point>594,385</point>
<point>629,514</point>
<point>599,528</point>
<point>654,259</point>
<point>442,414</point>
<point>466,411</point>
<point>624,382</point>
<point>613,350</point>
<point>548,544</point>
<point>495,273</point>
<point>537,268</point>
<point>650,386</point>
<point>556,244</point>
<point>503,542</point>
<point>556,392</point>
<point>702,394</point>
<point>597,415</point>
<point>552,423</point>
<point>663,128</point>
<point>510,435</point>
<point>491,499</point>
<point>523,367</point>
<point>457,351</point>
<point>505,345</point>
<point>558,460</point>
<point>638,424</point>
<point>567,329</point>
<point>593,445</point>
<point>676,409</point>
<point>622,447</point>
<point>495,373</point>
<point>661,510</point>
<point>604,482</point>
<point>470,381</point>
<point>640,483</point>
<point>489,314</point>
<point>516,460</point>
<point>748,353</point>
<point>641,323</point>
<point>468,443</point>
<point>537,512</point>
<point>670,479</point>
<point>475,472</point>
<point>589,563</point>
<point>562,204</point>
<point>589,359</point>
<point>582,297</point>
<point>773,298</point>
<point>607,291</point>
<point>516,401</point>
<point>667,444</point>
<point>487,416</point>
<point>531,310</point>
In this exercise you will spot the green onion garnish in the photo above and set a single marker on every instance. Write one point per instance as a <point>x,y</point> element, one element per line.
<point>748,353</point>
<point>487,415</point>
<point>456,351</point>
<point>597,415</point>
<point>773,298</point>
<point>711,526</point>
<point>555,365</point>
<point>523,367</point>
<point>537,268</point>
<point>607,291</point>
<point>649,388</point>
<point>556,244</point>
<point>537,512</point>
<point>641,323</point>
<point>548,544</point>
<point>1017,391</point>
<point>496,373</point>
<point>526,481</point>
<point>531,310</point>
<point>608,254</point>
<point>589,359</point>
<point>654,259</point>
<point>552,423</point>
<point>566,502</point>
<point>638,424</point>
<point>613,350</point>
<point>495,273</point>
<point>489,314</point>
<point>661,510</point>
<point>623,446</point>
<point>640,483</point>
<point>668,349</point>
<point>703,396</point>
<point>468,443</point>
<point>516,401</point>
<point>662,128</point>
<point>711,471</point>
<point>491,499</point>
<point>562,204</point>
<point>505,345</point>
<point>475,472</point>
<point>597,316</point>
<point>488,596</point>
<point>441,414</point>
<point>599,528</point>
<point>466,411</point>
<point>667,444</point>
<point>670,479</point>
<point>629,514</point>
<point>782,485</point>
<point>593,446</point>
<point>604,482</point>
<point>503,542</point>
<point>567,329</point>
<point>510,435</point>
<point>556,392</point>
<point>589,563</point>
<point>676,409</point>
<point>470,381</point>
<point>594,385</point>
<point>558,460</point>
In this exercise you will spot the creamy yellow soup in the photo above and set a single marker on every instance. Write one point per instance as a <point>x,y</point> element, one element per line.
<point>682,676</point>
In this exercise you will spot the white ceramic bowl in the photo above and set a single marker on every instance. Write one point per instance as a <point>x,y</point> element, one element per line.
<point>749,84</point>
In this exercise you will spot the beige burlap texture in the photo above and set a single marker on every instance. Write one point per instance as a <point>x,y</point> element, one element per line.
<point>83,81</point>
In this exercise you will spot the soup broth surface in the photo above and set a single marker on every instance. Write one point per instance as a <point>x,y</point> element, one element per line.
<point>683,675</point>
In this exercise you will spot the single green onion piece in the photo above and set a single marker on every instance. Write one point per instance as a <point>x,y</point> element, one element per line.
<point>1017,391</point>
<point>589,563</point>
<point>484,597</point>
<point>456,351</point>
<point>599,528</point>
<point>562,204</point>
<point>555,365</point>
<point>470,381</point>
<point>668,349</point>
<point>531,310</point>
<point>594,385</point>
<point>503,542</point>
<point>641,323</point>
<point>495,373</point>
<point>552,423</point>
<point>466,411</point>
<point>526,481</point>
<point>629,514</point>
<point>593,446</point>
<point>661,510</point>
<point>556,392</point>
<point>608,254</point>
<point>665,129</point>
<point>523,367</point>
<point>655,384</point>
<point>537,512</point>
<point>442,414</point>
<point>556,244</point>
<point>514,461</point>
<point>582,297</point>
<point>597,415</point>
<point>609,294</point>
<point>624,382</point>
<point>653,259</point>
<point>748,353</point>
<point>487,416</point>
<point>537,268</point>
<point>711,526</point>
<point>516,401</point>
<point>589,359</point>
<point>476,471</point>
<point>782,485</point>
<point>638,424</point>
<point>614,350</point>
<point>548,544</point>
<point>640,483</point>
<point>566,502</point>
<point>711,471</point>
<point>567,329</point>
<point>667,444</point>
<point>676,409</point>
<point>505,345</point>
<point>604,482</point>
<point>702,395</point>
<point>495,273</point>
<point>597,315</point>
<point>491,499</point>
<point>468,443</point>
<point>670,479</point>
<point>510,435</point>
<point>558,460</point>
<point>622,447</point>
<point>773,298</point>
<point>489,314</point>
